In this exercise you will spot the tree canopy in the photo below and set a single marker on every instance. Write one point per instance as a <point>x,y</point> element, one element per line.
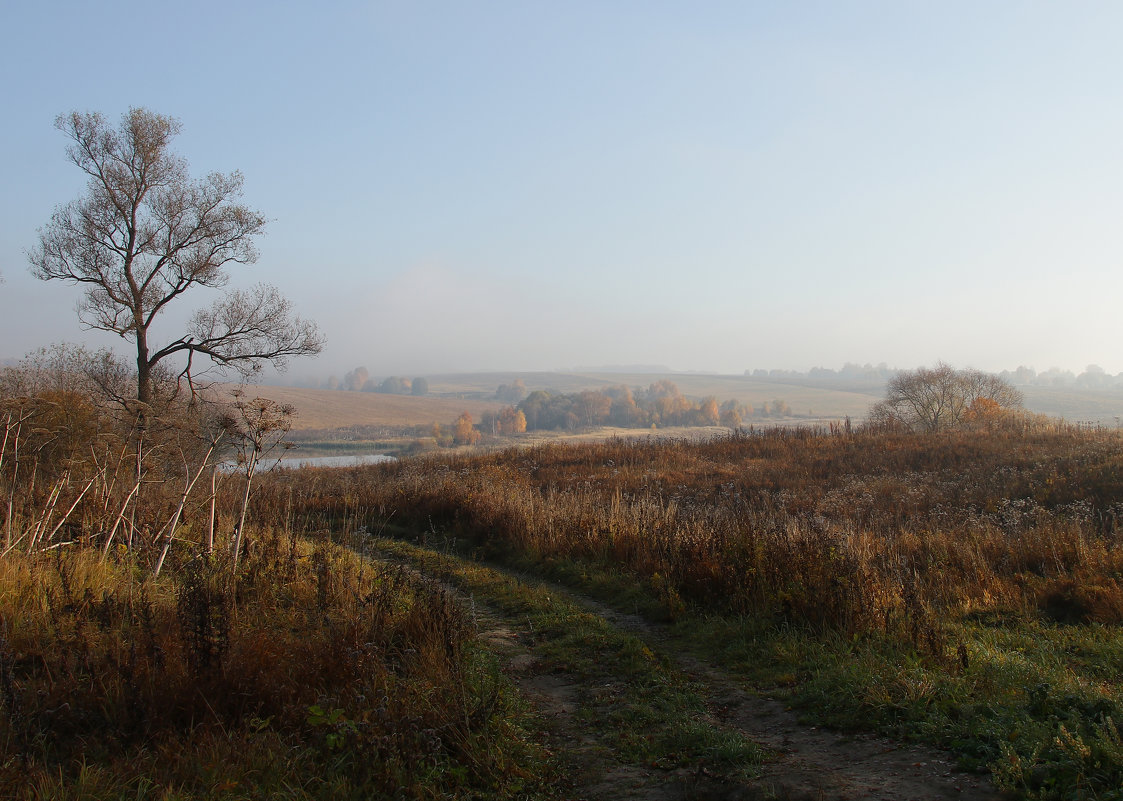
<point>941,398</point>
<point>662,404</point>
<point>145,233</point>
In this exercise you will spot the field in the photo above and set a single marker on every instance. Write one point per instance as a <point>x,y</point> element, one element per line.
<point>332,422</point>
<point>325,410</point>
<point>777,612</point>
<point>961,589</point>
<point>804,399</point>
<point>322,411</point>
<point>1099,406</point>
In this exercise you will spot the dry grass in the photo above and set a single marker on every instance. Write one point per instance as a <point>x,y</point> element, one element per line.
<point>865,532</point>
<point>142,657</point>
<point>327,409</point>
<point>110,677</point>
<point>965,588</point>
<point>315,675</point>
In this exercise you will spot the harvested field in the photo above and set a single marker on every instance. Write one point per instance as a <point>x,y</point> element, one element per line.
<point>328,409</point>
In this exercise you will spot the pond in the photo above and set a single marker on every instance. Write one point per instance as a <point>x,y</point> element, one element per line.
<point>350,460</point>
<point>295,461</point>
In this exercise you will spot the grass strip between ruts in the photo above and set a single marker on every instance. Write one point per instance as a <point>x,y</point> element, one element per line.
<point>634,701</point>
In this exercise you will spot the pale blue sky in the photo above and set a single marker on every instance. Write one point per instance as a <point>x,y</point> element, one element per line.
<point>539,185</point>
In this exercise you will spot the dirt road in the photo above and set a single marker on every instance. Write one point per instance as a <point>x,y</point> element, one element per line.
<point>799,761</point>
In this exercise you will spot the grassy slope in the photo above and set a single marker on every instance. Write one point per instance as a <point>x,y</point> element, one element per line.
<point>959,589</point>
<point>1076,405</point>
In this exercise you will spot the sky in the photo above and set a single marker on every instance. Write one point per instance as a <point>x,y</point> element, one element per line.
<point>719,186</point>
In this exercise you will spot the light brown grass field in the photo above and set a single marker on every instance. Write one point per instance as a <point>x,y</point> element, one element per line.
<point>804,400</point>
<point>1073,404</point>
<point>327,409</point>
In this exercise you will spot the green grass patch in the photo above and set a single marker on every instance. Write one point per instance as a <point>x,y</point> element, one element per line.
<point>636,704</point>
<point>1025,705</point>
<point>1035,703</point>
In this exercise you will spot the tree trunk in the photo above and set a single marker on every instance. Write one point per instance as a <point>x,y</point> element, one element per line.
<point>143,366</point>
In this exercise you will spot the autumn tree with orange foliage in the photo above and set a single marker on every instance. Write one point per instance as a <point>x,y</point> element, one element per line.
<point>983,412</point>
<point>668,407</point>
<point>464,431</point>
<point>511,421</point>
<point>708,412</point>
<point>592,408</point>
<point>733,414</point>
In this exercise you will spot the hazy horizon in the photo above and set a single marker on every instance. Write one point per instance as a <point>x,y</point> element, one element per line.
<point>532,187</point>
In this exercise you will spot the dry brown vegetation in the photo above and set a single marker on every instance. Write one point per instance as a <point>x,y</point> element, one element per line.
<point>961,586</point>
<point>264,656</point>
<point>315,675</point>
<point>862,531</point>
<point>155,641</point>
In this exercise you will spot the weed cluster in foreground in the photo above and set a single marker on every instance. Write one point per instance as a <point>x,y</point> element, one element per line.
<point>315,675</point>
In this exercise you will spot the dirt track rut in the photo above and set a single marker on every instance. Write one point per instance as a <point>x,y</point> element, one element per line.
<point>805,762</point>
<point>810,762</point>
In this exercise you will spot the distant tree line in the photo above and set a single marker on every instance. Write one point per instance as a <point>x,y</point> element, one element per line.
<point>660,404</point>
<point>850,374</point>
<point>359,380</point>
<point>1092,377</point>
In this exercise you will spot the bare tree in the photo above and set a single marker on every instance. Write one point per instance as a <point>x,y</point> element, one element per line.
<point>941,397</point>
<point>145,233</point>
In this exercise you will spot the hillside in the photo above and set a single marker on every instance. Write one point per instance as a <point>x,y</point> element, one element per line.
<point>804,399</point>
<point>452,394</point>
